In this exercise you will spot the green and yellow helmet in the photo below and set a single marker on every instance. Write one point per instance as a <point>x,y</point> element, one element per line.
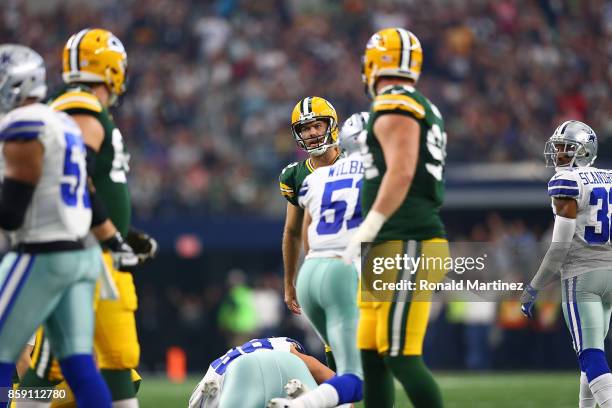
<point>394,52</point>
<point>309,110</point>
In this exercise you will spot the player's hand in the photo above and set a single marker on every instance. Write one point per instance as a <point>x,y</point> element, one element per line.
<point>143,245</point>
<point>122,253</point>
<point>291,300</point>
<point>528,299</point>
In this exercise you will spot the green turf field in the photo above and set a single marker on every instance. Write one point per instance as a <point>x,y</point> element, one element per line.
<point>516,390</point>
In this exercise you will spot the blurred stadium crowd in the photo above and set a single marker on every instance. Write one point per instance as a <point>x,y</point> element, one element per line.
<point>212,83</point>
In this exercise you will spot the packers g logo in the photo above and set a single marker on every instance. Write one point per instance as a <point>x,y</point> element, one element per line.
<point>115,45</point>
<point>376,41</point>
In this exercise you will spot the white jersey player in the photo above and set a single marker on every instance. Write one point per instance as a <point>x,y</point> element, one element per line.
<point>326,286</point>
<point>60,208</point>
<point>251,374</point>
<point>580,251</point>
<point>331,196</point>
<point>48,277</point>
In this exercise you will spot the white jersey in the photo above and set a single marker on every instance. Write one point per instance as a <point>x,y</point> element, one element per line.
<point>592,189</point>
<point>60,209</point>
<point>216,370</point>
<point>331,195</point>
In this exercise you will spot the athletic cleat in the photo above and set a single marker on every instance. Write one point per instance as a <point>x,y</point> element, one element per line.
<point>210,389</point>
<point>284,403</point>
<point>295,388</point>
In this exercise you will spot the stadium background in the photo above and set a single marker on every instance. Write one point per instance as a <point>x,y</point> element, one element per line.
<point>205,118</point>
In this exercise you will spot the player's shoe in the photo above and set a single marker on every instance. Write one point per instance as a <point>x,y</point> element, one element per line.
<point>205,391</point>
<point>284,403</point>
<point>294,388</point>
<point>210,389</point>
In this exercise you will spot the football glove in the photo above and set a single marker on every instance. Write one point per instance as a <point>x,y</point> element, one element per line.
<point>123,255</point>
<point>143,245</point>
<point>528,299</point>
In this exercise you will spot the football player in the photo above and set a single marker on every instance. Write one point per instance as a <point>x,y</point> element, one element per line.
<point>49,275</point>
<point>314,125</point>
<point>401,196</point>
<point>94,69</point>
<point>326,286</point>
<point>581,252</point>
<point>249,375</point>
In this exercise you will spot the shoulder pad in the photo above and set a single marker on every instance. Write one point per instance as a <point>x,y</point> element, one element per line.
<point>564,184</point>
<point>24,123</point>
<point>400,102</point>
<point>77,100</point>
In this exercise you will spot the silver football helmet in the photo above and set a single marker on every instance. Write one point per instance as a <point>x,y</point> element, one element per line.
<point>22,76</point>
<point>574,144</point>
<point>353,132</point>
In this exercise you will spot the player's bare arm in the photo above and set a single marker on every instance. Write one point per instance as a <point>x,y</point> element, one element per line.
<point>93,132</point>
<point>305,225</point>
<point>24,161</point>
<point>399,138</point>
<point>320,372</point>
<point>292,235</point>
<point>565,207</point>
<point>23,363</point>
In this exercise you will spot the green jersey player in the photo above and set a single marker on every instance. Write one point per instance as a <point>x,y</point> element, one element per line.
<point>401,197</point>
<point>314,125</point>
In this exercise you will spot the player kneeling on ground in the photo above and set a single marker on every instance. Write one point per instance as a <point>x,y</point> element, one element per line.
<point>250,375</point>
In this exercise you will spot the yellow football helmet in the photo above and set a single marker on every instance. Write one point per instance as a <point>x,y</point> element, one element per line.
<point>307,111</point>
<point>95,55</point>
<point>392,52</point>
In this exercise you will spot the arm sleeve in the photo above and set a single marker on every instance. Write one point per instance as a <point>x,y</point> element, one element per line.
<point>565,185</point>
<point>15,198</point>
<point>563,232</point>
<point>286,184</point>
<point>402,104</point>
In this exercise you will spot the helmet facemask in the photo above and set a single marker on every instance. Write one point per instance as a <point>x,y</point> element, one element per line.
<point>566,154</point>
<point>323,141</point>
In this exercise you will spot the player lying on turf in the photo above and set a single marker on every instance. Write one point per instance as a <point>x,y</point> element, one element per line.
<point>326,286</point>
<point>581,252</point>
<point>250,375</point>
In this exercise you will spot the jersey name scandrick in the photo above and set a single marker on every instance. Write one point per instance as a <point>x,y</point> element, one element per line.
<point>592,189</point>
<point>332,197</point>
<point>60,209</point>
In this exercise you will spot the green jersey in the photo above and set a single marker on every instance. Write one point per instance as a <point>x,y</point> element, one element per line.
<point>418,216</point>
<point>110,178</point>
<point>291,179</point>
